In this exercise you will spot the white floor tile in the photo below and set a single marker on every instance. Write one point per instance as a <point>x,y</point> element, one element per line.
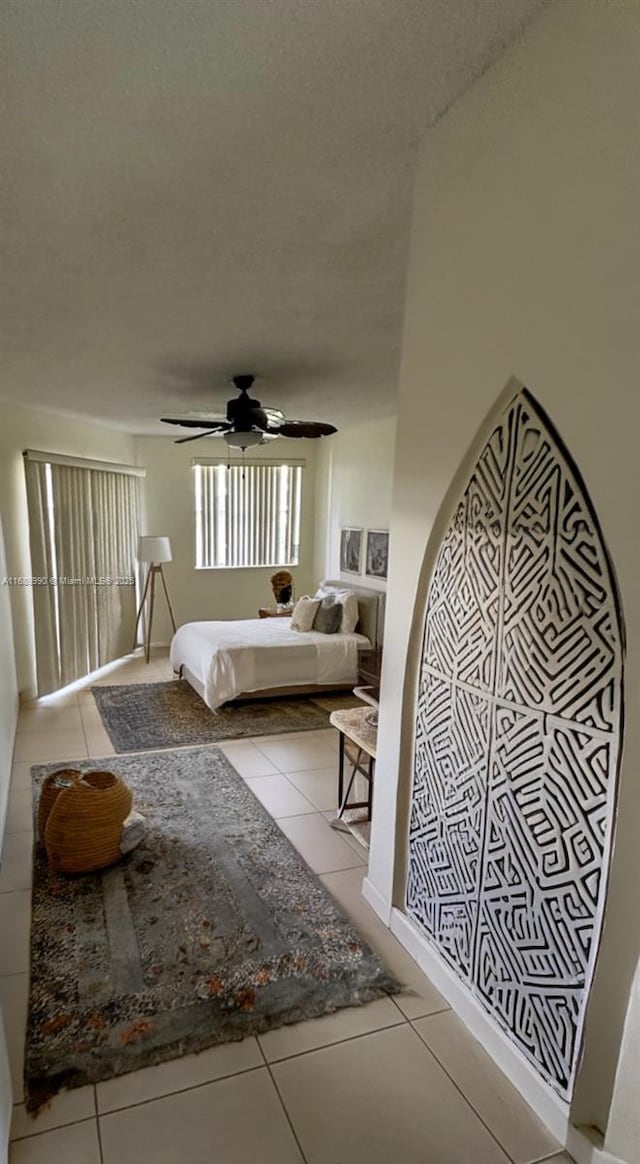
<point>47,718</point>
<point>234,1121</point>
<point>323,849</point>
<point>21,775</point>
<point>279,797</point>
<point>317,736</point>
<point>98,742</point>
<point>86,700</point>
<point>19,810</point>
<point>331,1028</point>
<point>75,1144</point>
<point>327,736</point>
<point>47,747</point>
<point>351,838</point>
<point>298,755</point>
<point>380,1098</point>
<point>177,1075</point>
<point>15,927</point>
<point>319,785</point>
<point>62,699</point>
<point>16,868</point>
<point>67,1107</point>
<point>423,998</point>
<point>14,1000</point>
<point>248,760</point>
<point>488,1091</point>
<point>90,716</point>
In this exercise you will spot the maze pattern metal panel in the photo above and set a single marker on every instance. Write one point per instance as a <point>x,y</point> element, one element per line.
<point>517,741</point>
<point>447,814</point>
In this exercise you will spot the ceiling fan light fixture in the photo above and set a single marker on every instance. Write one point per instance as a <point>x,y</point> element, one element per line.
<point>242,440</point>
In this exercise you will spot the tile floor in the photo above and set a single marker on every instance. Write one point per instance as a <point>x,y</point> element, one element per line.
<point>399,1079</point>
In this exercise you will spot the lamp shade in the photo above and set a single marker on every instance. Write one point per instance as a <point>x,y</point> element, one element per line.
<point>152,549</point>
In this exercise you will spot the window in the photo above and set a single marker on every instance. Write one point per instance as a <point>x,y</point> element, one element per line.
<point>247,514</point>
<point>83,530</point>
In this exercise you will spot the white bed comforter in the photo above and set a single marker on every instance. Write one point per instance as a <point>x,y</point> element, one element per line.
<point>253,654</point>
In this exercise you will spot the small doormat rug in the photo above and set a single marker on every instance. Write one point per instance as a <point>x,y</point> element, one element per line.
<point>141,716</point>
<point>213,929</point>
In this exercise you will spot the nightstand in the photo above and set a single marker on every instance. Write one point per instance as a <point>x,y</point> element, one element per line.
<point>271,612</point>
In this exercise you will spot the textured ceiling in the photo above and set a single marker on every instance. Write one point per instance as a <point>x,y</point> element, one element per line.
<point>194,188</point>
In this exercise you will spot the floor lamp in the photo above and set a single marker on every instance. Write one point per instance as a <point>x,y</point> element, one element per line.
<point>155,551</point>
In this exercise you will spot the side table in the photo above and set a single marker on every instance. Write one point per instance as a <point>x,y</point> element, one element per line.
<point>271,612</point>
<point>352,726</point>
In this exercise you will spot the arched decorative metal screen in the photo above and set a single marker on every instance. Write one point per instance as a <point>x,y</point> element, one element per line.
<point>518,733</point>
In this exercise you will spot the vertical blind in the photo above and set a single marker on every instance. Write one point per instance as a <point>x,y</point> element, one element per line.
<point>247,515</point>
<point>83,530</point>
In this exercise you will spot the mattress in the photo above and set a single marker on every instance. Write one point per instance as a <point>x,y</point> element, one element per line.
<point>231,658</point>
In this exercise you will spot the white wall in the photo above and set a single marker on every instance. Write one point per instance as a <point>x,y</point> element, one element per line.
<point>525,260</point>
<point>8,720</point>
<point>22,428</point>
<point>6,1096</point>
<point>353,488</point>
<point>622,1134</point>
<point>8,690</point>
<point>169,509</point>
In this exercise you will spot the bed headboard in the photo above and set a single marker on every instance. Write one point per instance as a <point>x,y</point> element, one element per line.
<point>370,609</point>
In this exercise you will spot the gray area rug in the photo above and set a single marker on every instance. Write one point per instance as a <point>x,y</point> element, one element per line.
<point>141,716</point>
<point>213,929</point>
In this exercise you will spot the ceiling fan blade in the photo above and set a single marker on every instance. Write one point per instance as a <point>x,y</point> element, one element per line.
<point>274,417</point>
<point>306,428</point>
<point>220,425</point>
<point>255,417</point>
<point>196,436</point>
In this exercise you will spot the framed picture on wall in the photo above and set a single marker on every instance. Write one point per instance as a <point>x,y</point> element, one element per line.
<point>350,550</point>
<point>377,553</point>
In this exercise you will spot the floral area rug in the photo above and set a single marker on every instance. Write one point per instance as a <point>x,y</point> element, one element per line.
<point>213,929</point>
<point>141,716</point>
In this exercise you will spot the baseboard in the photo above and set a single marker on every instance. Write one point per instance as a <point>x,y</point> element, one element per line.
<point>376,901</point>
<point>581,1143</point>
<point>550,1108</point>
<point>6,1096</point>
<point>7,748</point>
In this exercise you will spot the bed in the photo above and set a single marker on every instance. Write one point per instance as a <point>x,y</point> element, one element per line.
<point>225,661</point>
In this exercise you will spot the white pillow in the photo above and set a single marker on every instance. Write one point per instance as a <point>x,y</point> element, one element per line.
<point>304,613</point>
<point>350,613</point>
<point>349,602</point>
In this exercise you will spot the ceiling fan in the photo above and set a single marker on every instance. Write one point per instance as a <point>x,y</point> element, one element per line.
<point>247,423</point>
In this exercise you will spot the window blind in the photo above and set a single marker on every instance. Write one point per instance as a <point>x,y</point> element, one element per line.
<point>247,515</point>
<point>83,531</point>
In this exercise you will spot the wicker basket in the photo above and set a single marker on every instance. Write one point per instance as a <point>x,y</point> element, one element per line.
<point>53,785</point>
<point>84,825</point>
